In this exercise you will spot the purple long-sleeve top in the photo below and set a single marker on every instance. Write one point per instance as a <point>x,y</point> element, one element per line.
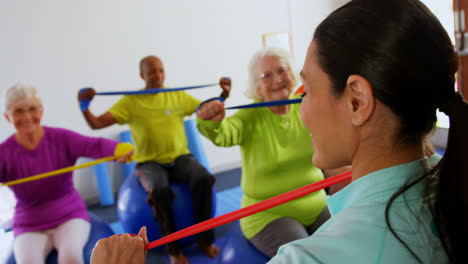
<point>46,203</point>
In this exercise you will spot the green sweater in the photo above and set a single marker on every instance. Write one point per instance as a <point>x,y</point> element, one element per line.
<point>276,157</point>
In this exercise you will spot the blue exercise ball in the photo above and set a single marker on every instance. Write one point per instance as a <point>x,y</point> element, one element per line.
<point>134,212</point>
<point>237,249</point>
<point>99,229</point>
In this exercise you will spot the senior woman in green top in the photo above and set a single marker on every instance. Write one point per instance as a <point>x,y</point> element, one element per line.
<point>276,154</point>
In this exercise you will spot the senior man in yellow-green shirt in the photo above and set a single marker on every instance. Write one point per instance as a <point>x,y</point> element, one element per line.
<point>157,126</point>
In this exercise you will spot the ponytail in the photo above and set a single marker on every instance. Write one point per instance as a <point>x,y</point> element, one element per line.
<point>449,186</point>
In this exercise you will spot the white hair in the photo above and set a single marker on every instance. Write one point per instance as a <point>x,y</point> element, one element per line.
<point>20,92</point>
<point>281,54</point>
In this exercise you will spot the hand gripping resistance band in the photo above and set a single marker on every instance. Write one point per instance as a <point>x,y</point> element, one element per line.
<point>255,105</point>
<point>250,210</point>
<point>154,91</point>
<point>59,171</point>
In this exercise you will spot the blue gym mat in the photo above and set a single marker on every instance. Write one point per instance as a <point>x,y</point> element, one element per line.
<point>228,201</point>
<point>196,255</point>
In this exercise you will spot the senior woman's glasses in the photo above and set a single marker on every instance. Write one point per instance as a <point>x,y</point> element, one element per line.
<point>270,75</point>
<point>20,112</point>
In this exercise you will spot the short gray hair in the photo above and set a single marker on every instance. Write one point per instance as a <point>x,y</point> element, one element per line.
<point>281,54</point>
<point>20,92</point>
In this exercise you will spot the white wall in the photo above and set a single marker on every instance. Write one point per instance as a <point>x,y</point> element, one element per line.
<point>61,46</point>
<point>305,15</point>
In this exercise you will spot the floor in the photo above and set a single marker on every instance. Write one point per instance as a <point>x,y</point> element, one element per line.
<point>228,199</point>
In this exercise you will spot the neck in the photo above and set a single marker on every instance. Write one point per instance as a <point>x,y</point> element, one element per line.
<point>30,140</point>
<point>280,109</point>
<point>374,156</point>
<point>378,145</point>
<point>148,87</point>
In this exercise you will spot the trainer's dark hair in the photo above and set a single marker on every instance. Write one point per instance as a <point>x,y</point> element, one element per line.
<point>401,48</point>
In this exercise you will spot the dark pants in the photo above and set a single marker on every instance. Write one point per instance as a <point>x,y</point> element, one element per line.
<point>284,230</point>
<point>155,179</point>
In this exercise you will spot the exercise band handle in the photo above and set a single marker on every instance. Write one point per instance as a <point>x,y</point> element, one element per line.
<point>156,90</point>
<point>250,210</point>
<point>59,171</point>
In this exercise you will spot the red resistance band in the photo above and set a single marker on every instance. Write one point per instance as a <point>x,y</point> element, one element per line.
<point>250,210</point>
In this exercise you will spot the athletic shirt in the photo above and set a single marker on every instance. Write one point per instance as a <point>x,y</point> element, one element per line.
<point>157,123</point>
<point>276,158</point>
<point>46,203</point>
<point>358,232</point>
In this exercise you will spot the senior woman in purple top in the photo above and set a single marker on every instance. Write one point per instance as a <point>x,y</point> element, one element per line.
<point>49,212</point>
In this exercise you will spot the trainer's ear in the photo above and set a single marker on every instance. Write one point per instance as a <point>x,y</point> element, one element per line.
<point>361,99</point>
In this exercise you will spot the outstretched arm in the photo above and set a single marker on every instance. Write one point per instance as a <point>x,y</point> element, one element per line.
<point>85,96</point>
<point>97,122</point>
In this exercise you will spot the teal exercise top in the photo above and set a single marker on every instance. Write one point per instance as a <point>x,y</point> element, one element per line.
<point>357,231</point>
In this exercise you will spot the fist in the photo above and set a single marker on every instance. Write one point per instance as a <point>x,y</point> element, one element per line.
<point>225,83</point>
<point>212,110</point>
<point>121,249</point>
<point>86,94</point>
